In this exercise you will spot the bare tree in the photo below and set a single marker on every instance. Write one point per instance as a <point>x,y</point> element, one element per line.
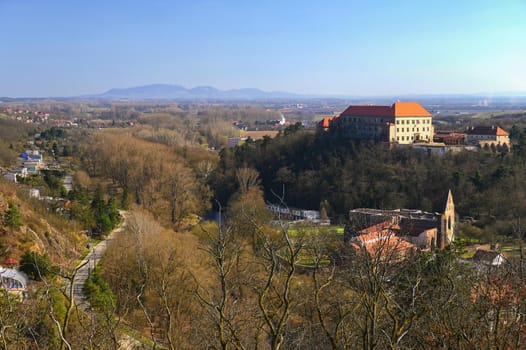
<point>247,178</point>
<point>224,303</point>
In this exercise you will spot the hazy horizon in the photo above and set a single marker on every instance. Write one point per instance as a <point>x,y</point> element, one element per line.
<point>345,48</point>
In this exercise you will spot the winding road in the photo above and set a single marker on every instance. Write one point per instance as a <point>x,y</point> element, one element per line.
<point>86,266</point>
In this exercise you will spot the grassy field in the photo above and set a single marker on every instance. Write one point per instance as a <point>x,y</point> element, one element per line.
<point>295,231</point>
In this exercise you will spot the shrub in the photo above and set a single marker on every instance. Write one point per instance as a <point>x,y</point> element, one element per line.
<point>37,266</point>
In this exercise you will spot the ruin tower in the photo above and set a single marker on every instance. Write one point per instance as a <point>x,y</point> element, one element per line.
<point>448,222</point>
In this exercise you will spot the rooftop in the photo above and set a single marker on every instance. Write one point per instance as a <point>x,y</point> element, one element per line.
<point>485,256</point>
<point>487,130</point>
<point>397,109</point>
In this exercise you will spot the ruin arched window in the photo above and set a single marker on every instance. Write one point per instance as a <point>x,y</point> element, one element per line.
<point>449,222</point>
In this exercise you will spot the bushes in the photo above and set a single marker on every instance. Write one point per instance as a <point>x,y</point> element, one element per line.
<point>37,266</point>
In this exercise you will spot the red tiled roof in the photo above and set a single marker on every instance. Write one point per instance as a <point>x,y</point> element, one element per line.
<point>398,109</point>
<point>10,261</point>
<point>410,109</point>
<point>381,228</point>
<point>487,130</point>
<point>388,245</point>
<point>381,238</point>
<point>373,111</point>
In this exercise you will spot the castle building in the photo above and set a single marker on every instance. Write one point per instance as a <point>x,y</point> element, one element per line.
<point>402,122</point>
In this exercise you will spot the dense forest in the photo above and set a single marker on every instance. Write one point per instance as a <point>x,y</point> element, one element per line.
<point>310,170</point>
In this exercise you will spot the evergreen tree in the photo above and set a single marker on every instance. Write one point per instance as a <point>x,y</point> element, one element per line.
<point>12,217</point>
<point>126,199</point>
<point>113,212</point>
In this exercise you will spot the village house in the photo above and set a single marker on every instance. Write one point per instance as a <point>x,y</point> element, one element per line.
<point>487,135</point>
<point>15,174</point>
<point>488,257</point>
<point>32,160</point>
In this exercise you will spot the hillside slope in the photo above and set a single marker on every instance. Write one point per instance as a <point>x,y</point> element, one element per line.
<point>40,230</point>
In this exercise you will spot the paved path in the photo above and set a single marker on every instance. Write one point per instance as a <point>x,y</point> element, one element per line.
<point>86,267</point>
<point>89,263</point>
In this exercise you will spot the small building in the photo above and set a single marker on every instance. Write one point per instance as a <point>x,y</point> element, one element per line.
<point>11,176</point>
<point>434,148</point>
<point>34,193</point>
<point>294,213</point>
<point>490,135</point>
<point>488,257</point>
<point>450,137</point>
<point>13,280</point>
<point>232,142</point>
<point>16,174</point>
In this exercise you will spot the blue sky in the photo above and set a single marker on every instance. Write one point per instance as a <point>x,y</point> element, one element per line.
<point>67,48</point>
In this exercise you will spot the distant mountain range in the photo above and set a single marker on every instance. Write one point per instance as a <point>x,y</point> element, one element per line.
<point>209,93</point>
<point>178,92</point>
